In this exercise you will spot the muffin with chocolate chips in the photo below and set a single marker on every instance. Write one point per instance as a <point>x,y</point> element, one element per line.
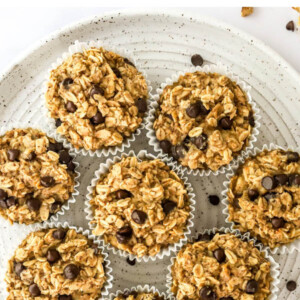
<point>264,197</point>
<point>221,267</point>
<point>55,264</point>
<point>97,98</point>
<point>36,176</point>
<point>140,206</point>
<point>203,120</point>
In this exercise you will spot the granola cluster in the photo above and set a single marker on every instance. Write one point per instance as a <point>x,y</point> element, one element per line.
<point>55,264</point>
<point>97,97</point>
<point>224,267</point>
<point>203,120</point>
<point>139,296</point>
<point>264,197</point>
<point>36,176</point>
<point>140,206</point>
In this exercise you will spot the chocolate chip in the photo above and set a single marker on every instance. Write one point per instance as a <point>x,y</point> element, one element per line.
<point>66,82</point>
<point>251,120</point>
<point>292,156</point>
<point>236,203</point>
<point>290,26</point>
<point>197,60</point>
<point>200,141</point>
<point>19,268</point>
<point>225,123</point>
<point>226,298</point>
<point>269,196</point>
<point>117,72</point>
<point>281,179</point>
<point>64,157</point>
<point>268,183</point>
<point>71,166</point>
<point>11,201</point>
<point>97,118</point>
<point>65,297</point>
<point>71,107</point>
<point>165,145</point>
<point>131,262</point>
<point>204,237</point>
<point>33,204</point>
<point>294,179</point>
<point>13,154</point>
<point>3,194</point>
<point>47,181</point>
<point>53,147</point>
<point>138,216</point>
<point>124,234</point>
<point>203,110</point>
<point>193,111</point>
<point>59,234</point>
<point>291,285</point>
<point>58,122</point>
<point>214,199</point>
<point>253,194</point>
<point>178,151</point>
<point>206,293</point>
<point>31,156</point>
<point>96,90</point>
<point>127,61</point>
<point>71,271</point>
<point>34,290</point>
<point>122,194</point>
<point>3,204</point>
<point>53,256</point>
<point>141,104</point>
<point>277,222</point>
<point>219,255</point>
<point>55,207</point>
<point>169,116</point>
<point>251,287</point>
<point>168,206</point>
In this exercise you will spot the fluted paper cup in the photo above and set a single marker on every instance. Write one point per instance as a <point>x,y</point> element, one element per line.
<point>274,265</point>
<point>218,68</point>
<point>289,248</point>
<point>66,206</point>
<point>80,47</point>
<point>104,168</point>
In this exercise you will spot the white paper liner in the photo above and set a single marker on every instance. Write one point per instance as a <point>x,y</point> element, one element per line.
<point>66,206</point>
<point>140,289</point>
<point>108,270</point>
<point>104,168</point>
<point>274,265</point>
<point>79,47</point>
<point>289,248</point>
<point>218,68</point>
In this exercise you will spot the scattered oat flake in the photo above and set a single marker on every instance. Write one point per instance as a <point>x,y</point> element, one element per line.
<point>297,9</point>
<point>246,11</point>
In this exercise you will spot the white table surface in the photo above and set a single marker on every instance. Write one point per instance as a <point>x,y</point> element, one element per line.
<point>20,28</point>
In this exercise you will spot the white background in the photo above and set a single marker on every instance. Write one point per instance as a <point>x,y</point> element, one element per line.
<point>21,28</point>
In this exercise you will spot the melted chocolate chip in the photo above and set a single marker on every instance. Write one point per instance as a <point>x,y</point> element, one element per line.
<point>219,255</point>
<point>13,154</point>
<point>58,122</point>
<point>97,118</point>
<point>197,60</point>
<point>3,204</point>
<point>214,199</point>
<point>117,72</point>
<point>292,156</point>
<point>19,268</point>
<point>34,290</point>
<point>268,183</point>
<point>141,104</point>
<point>55,207</point>
<point>65,297</point>
<point>236,203</point>
<point>66,82</point>
<point>3,194</point>
<point>64,157</point>
<point>200,141</point>
<point>165,145</point>
<point>96,90</point>
<point>122,194</point>
<point>53,256</point>
<point>131,262</point>
<point>71,107</point>
<point>253,194</point>
<point>278,222</point>
<point>31,156</point>
<point>294,179</point>
<point>59,234</point>
<point>290,26</point>
<point>178,151</point>
<point>33,204</point>
<point>251,287</point>
<point>281,179</point>
<point>124,234</point>
<point>225,123</point>
<point>168,206</point>
<point>71,271</point>
<point>138,216</point>
<point>71,166</point>
<point>193,111</point>
<point>11,201</point>
<point>206,293</point>
<point>47,181</point>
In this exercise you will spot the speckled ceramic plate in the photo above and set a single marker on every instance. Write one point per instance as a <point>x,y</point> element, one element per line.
<point>163,43</point>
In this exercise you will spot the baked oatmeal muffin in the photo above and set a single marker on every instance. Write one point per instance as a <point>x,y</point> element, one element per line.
<point>55,264</point>
<point>140,206</point>
<point>36,176</point>
<point>133,295</point>
<point>221,267</point>
<point>264,197</point>
<point>203,120</point>
<point>97,98</point>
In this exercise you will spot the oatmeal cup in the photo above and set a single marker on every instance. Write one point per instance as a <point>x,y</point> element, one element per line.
<point>203,118</point>
<point>140,206</point>
<point>222,264</point>
<point>145,292</point>
<point>96,98</point>
<point>38,176</point>
<point>262,197</point>
<point>61,262</point>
